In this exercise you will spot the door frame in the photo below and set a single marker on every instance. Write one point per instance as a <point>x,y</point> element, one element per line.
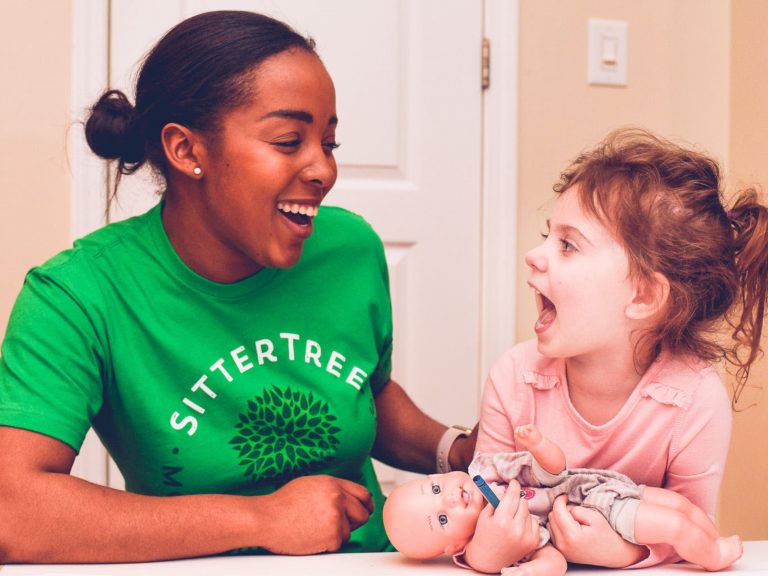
<point>498,189</point>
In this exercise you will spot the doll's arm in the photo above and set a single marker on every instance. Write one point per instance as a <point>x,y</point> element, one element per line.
<point>548,454</point>
<point>546,561</point>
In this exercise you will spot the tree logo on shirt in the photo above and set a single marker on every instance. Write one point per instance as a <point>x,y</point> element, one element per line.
<point>284,432</point>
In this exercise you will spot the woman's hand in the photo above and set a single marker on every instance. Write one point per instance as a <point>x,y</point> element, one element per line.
<point>313,514</point>
<point>504,535</point>
<point>584,536</point>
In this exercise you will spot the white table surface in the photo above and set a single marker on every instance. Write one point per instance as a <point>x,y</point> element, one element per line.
<point>754,561</point>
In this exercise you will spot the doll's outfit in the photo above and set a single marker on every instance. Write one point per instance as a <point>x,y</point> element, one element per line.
<point>612,494</point>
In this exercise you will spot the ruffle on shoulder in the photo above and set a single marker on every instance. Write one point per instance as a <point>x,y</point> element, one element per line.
<point>664,394</point>
<point>540,381</point>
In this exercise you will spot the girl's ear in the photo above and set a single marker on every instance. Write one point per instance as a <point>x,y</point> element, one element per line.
<point>650,297</point>
<point>183,150</point>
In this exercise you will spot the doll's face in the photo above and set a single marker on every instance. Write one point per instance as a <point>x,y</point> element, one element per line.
<point>433,515</point>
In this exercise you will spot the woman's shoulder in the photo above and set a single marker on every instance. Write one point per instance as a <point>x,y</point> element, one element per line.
<point>336,226</point>
<point>82,259</point>
<point>337,216</point>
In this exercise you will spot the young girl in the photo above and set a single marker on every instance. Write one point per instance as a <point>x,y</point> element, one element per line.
<point>439,514</point>
<point>642,267</point>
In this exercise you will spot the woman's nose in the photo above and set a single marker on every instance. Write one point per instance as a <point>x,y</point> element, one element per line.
<point>321,170</point>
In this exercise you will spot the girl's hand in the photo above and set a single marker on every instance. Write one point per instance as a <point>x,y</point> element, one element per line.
<point>503,535</point>
<point>584,536</point>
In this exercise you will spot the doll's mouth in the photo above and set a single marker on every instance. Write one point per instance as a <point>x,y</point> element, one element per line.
<point>300,214</point>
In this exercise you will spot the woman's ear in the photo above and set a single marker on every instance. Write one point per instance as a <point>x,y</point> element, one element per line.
<point>183,150</point>
<point>650,297</point>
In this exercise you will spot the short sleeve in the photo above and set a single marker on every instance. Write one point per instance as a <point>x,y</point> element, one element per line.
<point>50,369</point>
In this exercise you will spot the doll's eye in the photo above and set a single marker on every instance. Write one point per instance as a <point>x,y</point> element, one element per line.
<point>443,519</point>
<point>435,489</point>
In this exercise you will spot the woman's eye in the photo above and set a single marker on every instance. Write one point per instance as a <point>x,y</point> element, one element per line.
<point>443,519</point>
<point>289,144</point>
<point>330,146</point>
<point>435,489</point>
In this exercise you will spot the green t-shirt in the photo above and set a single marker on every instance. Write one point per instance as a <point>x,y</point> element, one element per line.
<point>200,387</point>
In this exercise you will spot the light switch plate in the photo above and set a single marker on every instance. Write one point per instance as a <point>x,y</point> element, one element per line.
<point>607,52</point>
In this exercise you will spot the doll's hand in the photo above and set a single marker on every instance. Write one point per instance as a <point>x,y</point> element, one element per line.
<point>584,536</point>
<point>503,535</point>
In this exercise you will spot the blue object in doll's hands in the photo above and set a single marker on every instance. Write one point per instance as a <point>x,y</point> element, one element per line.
<point>488,494</point>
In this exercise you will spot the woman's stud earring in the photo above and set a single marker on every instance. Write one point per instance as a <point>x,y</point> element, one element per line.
<point>197,171</point>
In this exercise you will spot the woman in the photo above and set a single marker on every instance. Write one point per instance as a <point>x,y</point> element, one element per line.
<point>231,347</point>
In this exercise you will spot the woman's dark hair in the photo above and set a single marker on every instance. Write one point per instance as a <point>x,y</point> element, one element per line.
<point>200,69</point>
<point>665,206</point>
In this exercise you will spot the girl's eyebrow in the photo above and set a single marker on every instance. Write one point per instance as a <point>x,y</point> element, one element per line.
<point>568,230</point>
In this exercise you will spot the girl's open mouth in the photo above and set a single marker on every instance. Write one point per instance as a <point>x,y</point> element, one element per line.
<point>547,313</point>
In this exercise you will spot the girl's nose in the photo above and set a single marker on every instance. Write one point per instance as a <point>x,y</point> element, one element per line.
<point>535,259</point>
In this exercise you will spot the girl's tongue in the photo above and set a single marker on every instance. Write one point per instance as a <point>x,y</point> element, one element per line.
<point>546,316</point>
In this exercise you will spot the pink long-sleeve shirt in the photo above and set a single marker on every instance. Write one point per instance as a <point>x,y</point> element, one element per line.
<point>672,432</point>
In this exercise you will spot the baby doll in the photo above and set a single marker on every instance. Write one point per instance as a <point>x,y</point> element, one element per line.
<point>438,514</point>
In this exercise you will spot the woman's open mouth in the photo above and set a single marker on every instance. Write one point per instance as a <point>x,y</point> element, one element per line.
<point>299,214</point>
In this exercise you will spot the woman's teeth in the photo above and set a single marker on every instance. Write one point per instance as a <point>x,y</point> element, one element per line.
<point>304,210</point>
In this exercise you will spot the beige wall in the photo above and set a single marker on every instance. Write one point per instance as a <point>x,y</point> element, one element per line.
<point>745,503</point>
<point>687,81</point>
<point>34,177</point>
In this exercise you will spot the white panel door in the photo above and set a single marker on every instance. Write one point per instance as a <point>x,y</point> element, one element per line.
<point>407,75</point>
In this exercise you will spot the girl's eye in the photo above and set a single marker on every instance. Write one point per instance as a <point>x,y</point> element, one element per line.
<point>566,246</point>
<point>435,489</point>
<point>443,519</point>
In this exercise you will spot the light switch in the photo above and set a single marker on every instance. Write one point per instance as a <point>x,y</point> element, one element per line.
<point>607,52</point>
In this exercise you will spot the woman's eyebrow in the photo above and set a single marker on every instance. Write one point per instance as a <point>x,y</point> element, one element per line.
<point>299,115</point>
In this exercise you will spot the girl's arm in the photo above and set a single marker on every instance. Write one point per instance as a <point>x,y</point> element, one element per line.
<point>51,517</point>
<point>503,535</point>
<point>546,561</point>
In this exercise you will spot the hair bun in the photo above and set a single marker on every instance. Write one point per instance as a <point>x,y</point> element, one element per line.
<point>110,130</point>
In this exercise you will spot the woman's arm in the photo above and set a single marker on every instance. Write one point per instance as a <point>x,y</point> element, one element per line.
<point>52,517</point>
<point>407,438</point>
